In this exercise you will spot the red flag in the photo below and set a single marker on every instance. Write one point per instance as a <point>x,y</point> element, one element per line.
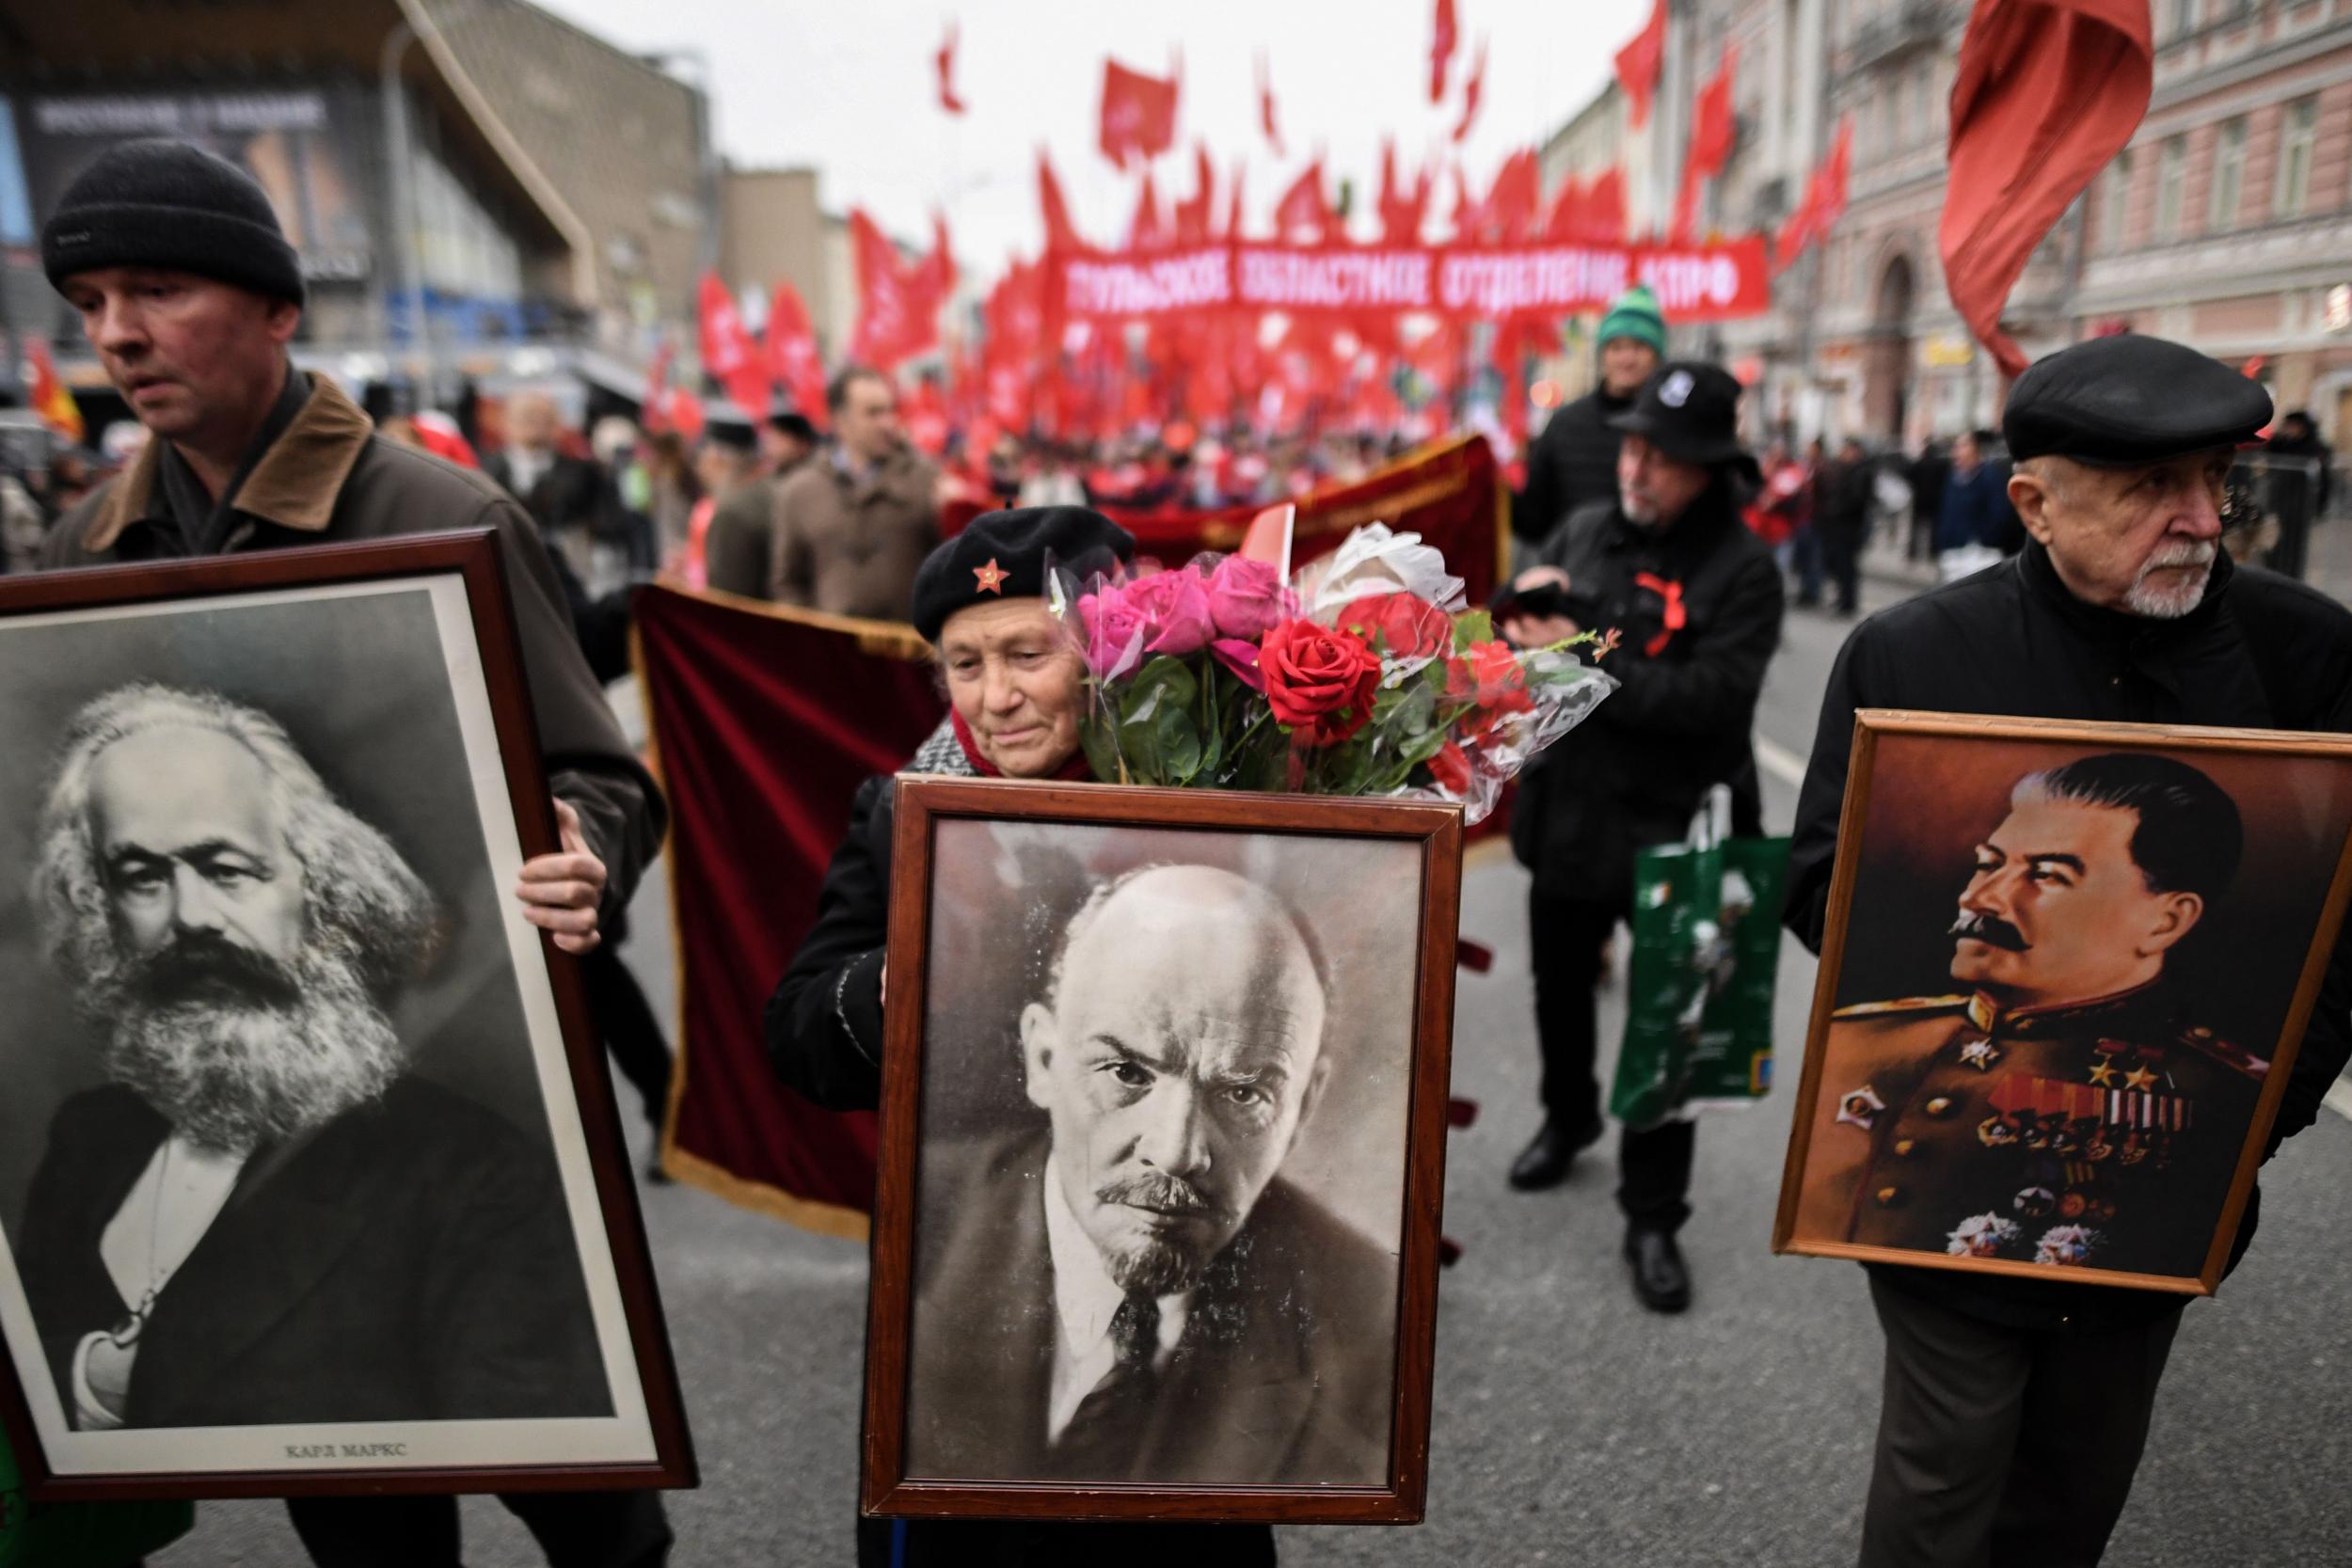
<point>945,61</point>
<point>1146,230</point>
<point>1824,200</point>
<point>1138,114</point>
<point>1441,41</point>
<point>1713,127</point>
<point>2047,91</point>
<point>729,356</point>
<point>1232,204</point>
<point>1266,106</point>
<point>1400,215</point>
<point>792,355</point>
<point>898,304</point>
<point>1638,64</point>
<point>1195,212</point>
<point>1472,90</point>
<point>1518,192</point>
<point>51,401</point>
<point>1059,232</point>
<point>1302,206</point>
<point>1571,217</point>
<point>1604,205</point>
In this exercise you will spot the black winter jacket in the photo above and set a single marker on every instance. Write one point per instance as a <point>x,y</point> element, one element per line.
<point>1633,774</point>
<point>2261,652</point>
<point>1571,464</point>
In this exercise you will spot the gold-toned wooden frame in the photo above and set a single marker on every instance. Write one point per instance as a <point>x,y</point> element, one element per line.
<point>1869,725</point>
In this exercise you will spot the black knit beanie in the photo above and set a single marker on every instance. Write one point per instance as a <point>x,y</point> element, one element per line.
<point>159,203</point>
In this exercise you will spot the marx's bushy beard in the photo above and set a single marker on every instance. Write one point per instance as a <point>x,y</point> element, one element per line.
<point>236,1048</point>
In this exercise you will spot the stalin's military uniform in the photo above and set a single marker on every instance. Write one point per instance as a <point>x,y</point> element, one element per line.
<point>2100,1134</point>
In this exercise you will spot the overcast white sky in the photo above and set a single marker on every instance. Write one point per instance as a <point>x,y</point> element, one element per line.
<point>849,87</point>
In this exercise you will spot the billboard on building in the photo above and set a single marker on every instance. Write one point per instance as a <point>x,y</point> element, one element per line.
<point>302,144</point>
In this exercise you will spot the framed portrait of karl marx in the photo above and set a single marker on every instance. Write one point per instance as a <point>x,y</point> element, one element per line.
<point>310,1178</point>
<point>2064,975</point>
<point>1163,1152</point>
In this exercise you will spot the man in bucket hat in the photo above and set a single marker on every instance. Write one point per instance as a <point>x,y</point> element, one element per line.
<point>1670,564</point>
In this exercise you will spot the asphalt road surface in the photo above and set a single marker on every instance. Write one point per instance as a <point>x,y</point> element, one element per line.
<point>1571,1426</point>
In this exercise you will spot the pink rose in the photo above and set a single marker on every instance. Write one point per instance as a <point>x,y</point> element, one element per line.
<point>1175,610</point>
<point>1115,632</point>
<point>1247,598</point>
<point>1241,657</point>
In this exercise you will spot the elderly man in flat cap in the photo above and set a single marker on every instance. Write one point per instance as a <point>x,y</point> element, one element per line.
<point>2015,1409</point>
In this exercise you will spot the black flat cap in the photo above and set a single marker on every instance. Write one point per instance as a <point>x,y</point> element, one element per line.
<point>1690,410</point>
<point>1003,555</point>
<point>2123,400</point>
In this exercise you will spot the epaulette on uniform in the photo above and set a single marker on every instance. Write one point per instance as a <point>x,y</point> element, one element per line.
<point>1905,1006</point>
<point>2227,1052</point>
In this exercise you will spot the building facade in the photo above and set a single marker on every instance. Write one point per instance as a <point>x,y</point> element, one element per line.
<point>477,189</point>
<point>2226,223</point>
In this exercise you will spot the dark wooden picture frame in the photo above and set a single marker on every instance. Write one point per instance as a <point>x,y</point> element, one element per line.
<point>923,804</point>
<point>2116,1117</point>
<point>473,558</point>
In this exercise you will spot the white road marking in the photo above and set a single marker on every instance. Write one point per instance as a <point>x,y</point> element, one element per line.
<point>1777,760</point>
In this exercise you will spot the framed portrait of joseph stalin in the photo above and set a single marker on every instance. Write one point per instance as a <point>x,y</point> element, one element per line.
<point>309,1173</point>
<point>2065,973</point>
<point>1163,1123</point>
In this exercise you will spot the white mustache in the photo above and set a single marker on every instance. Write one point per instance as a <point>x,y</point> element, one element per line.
<point>2183,552</point>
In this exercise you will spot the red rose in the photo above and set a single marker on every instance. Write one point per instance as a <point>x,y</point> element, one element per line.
<point>1408,627</point>
<point>1450,769</point>
<point>1318,681</point>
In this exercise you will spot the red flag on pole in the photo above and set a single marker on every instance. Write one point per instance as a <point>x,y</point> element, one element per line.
<point>1232,203</point>
<point>1713,126</point>
<point>898,306</point>
<point>945,61</point>
<point>1824,200</point>
<point>1059,232</point>
<point>792,355</point>
<point>729,354</point>
<point>1146,230</point>
<point>51,401</point>
<point>1400,215</point>
<point>1195,214</point>
<point>1138,114</point>
<point>1512,201</point>
<point>2047,91</point>
<point>1265,106</point>
<point>1638,65</point>
<point>1302,207</point>
<point>1473,90</point>
<point>1441,41</point>
<point>1604,205</point>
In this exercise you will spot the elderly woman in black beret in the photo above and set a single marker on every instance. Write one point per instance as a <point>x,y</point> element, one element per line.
<point>1015,690</point>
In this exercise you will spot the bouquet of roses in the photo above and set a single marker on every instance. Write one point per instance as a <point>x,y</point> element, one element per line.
<point>1367,673</point>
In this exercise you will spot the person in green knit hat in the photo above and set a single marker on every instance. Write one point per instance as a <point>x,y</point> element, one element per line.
<point>1575,459</point>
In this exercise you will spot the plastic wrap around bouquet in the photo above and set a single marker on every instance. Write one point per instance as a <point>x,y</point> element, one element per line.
<point>1367,673</point>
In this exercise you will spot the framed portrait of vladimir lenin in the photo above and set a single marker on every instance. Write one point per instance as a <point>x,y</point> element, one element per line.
<point>310,1177</point>
<point>1162,1151</point>
<point>2065,972</point>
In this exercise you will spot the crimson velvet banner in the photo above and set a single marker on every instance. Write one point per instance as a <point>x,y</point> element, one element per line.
<point>1460,282</point>
<point>1449,493</point>
<point>764,719</point>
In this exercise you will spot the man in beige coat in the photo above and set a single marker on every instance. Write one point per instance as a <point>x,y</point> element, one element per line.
<point>853,523</point>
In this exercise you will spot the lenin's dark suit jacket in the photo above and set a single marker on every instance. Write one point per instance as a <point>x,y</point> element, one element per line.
<point>410,1261</point>
<point>1283,1374</point>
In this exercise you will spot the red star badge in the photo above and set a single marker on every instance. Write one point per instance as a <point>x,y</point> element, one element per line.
<point>991,579</point>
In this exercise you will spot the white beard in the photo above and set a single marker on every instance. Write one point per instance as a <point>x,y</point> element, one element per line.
<point>234,1073</point>
<point>2145,597</point>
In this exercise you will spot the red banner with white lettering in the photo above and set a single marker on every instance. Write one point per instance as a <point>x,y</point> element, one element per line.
<point>1693,283</point>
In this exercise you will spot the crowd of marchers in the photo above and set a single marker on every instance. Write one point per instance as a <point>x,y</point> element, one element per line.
<point>2015,1411</point>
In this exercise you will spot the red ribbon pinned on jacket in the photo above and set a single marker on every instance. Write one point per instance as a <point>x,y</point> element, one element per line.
<point>1675,616</point>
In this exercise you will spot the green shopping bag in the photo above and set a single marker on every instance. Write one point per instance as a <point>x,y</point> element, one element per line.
<point>81,1535</point>
<point>1698,1025</point>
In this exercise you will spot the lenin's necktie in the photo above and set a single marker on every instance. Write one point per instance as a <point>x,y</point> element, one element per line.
<point>1103,1437</point>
